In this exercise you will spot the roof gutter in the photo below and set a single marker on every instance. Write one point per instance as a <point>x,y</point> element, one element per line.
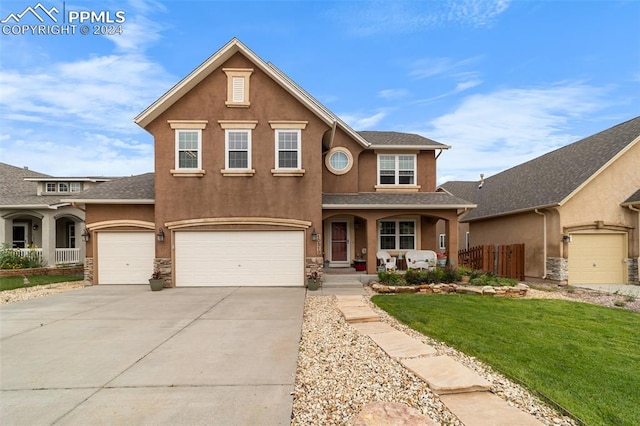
<point>544,243</point>
<point>397,206</point>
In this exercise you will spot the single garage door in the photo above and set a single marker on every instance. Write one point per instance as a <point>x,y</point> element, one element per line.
<point>239,258</point>
<point>125,257</point>
<point>597,259</point>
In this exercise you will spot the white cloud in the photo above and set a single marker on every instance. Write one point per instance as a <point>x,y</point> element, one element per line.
<point>393,93</point>
<point>366,18</point>
<point>362,122</point>
<point>492,132</point>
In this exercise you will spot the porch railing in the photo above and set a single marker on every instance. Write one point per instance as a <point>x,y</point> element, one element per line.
<point>32,253</point>
<point>67,256</point>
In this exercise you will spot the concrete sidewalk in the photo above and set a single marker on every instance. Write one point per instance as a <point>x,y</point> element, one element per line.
<point>126,355</point>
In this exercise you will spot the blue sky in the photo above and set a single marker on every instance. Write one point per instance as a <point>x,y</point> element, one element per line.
<point>500,81</point>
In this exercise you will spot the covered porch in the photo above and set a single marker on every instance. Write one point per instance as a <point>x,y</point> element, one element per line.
<point>357,226</point>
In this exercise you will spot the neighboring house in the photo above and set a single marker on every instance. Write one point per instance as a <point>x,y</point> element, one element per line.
<point>33,215</point>
<point>576,209</point>
<point>257,183</point>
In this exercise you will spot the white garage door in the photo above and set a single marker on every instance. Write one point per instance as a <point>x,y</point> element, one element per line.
<point>597,259</point>
<point>239,258</point>
<point>125,257</point>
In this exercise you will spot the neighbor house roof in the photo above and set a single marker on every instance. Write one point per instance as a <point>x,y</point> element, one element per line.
<point>397,139</point>
<point>15,192</point>
<point>381,200</point>
<point>139,189</point>
<point>549,180</point>
<point>220,57</point>
<point>634,199</point>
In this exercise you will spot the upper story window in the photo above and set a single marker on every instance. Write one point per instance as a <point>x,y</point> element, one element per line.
<point>288,147</point>
<point>63,187</point>
<point>75,186</point>
<point>339,160</point>
<point>397,235</point>
<point>237,147</point>
<point>397,169</point>
<point>238,80</point>
<point>188,147</point>
<point>51,187</point>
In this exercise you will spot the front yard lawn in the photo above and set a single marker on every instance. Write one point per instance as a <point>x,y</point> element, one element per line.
<point>10,283</point>
<point>582,356</point>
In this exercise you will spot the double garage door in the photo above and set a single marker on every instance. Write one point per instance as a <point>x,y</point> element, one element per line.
<point>239,258</point>
<point>226,258</point>
<point>597,259</point>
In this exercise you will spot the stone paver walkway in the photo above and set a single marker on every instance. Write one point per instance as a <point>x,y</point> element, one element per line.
<point>461,389</point>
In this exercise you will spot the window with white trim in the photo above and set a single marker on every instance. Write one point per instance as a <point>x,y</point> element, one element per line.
<point>188,149</point>
<point>397,235</point>
<point>75,186</point>
<point>51,187</point>
<point>238,149</point>
<point>442,241</point>
<point>396,169</point>
<point>339,160</point>
<point>63,187</point>
<point>288,152</point>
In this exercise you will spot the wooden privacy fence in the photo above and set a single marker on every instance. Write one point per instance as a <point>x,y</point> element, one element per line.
<point>503,260</point>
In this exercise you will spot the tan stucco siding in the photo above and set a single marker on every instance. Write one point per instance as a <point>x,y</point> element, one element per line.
<point>600,199</point>
<point>524,228</point>
<point>96,213</point>
<point>368,170</point>
<point>347,182</point>
<point>215,195</point>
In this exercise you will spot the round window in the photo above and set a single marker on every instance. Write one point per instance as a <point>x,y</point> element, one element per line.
<point>339,161</point>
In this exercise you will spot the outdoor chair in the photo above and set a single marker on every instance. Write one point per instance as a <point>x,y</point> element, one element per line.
<point>386,260</point>
<point>421,259</point>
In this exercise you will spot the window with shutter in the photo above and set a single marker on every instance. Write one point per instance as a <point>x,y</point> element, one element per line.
<point>238,80</point>
<point>238,89</point>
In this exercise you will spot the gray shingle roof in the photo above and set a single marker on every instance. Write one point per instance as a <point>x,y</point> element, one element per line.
<point>634,199</point>
<point>414,200</point>
<point>549,179</point>
<point>15,191</point>
<point>139,187</point>
<point>392,139</point>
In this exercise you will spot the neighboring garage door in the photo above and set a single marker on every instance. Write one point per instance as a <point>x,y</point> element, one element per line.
<point>597,259</point>
<point>125,257</point>
<point>239,258</point>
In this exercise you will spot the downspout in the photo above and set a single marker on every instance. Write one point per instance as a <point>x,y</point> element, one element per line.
<point>544,243</point>
<point>438,154</point>
<point>333,133</point>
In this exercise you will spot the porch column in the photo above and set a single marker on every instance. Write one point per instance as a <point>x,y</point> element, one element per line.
<point>452,242</point>
<point>49,240</point>
<point>372,245</point>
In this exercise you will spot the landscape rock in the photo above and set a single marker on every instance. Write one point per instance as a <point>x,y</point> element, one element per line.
<point>391,414</point>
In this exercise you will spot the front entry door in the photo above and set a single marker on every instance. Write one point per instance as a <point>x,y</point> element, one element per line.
<point>19,235</point>
<point>340,243</point>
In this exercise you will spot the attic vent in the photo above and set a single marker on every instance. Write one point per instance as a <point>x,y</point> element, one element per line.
<point>238,80</point>
<point>238,89</point>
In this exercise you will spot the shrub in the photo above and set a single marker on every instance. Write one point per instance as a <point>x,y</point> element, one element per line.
<point>12,259</point>
<point>391,278</point>
<point>492,280</point>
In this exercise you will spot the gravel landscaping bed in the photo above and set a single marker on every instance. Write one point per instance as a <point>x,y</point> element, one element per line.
<point>339,371</point>
<point>19,294</point>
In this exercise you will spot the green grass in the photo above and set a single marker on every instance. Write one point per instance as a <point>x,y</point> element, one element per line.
<point>584,357</point>
<point>10,283</point>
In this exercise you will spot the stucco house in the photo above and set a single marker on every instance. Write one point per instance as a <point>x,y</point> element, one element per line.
<point>257,183</point>
<point>32,213</point>
<point>576,209</point>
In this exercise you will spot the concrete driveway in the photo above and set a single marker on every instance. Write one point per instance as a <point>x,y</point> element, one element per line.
<point>126,355</point>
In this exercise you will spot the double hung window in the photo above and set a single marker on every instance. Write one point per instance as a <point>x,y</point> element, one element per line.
<point>238,149</point>
<point>189,149</point>
<point>396,169</point>
<point>397,235</point>
<point>288,149</point>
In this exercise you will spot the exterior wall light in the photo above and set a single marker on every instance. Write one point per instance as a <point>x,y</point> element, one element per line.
<point>35,227</point>
<point>314,235</point>
<point>160,235</point>
<point>85,235</point>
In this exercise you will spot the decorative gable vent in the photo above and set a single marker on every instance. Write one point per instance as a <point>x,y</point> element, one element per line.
<point>238,80</point>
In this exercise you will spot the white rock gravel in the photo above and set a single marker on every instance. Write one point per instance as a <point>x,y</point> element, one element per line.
<point>25,293</point>
<point>339,371</point>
